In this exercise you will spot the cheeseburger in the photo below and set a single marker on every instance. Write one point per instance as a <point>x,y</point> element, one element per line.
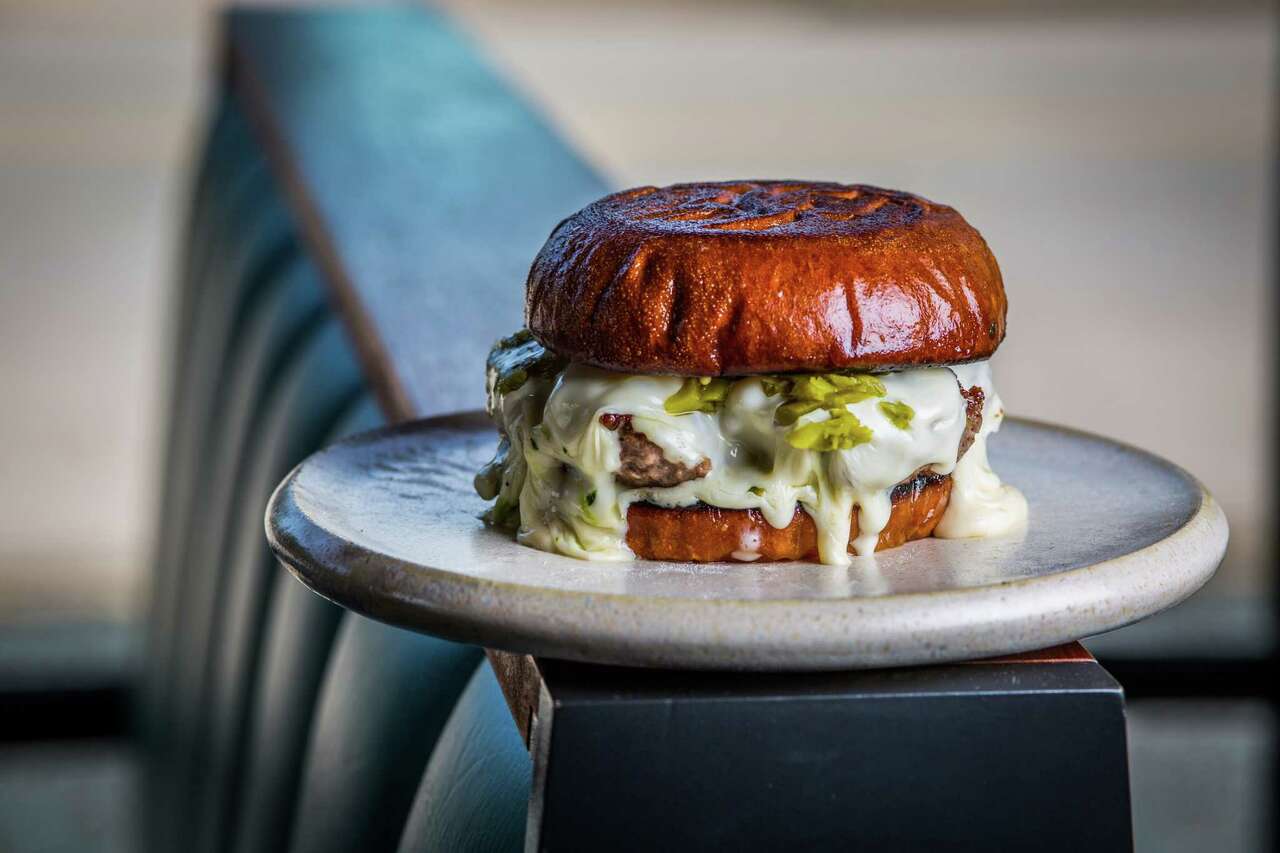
<point>751,370</point>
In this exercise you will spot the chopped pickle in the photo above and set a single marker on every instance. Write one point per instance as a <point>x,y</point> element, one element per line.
<point>513,360</point>
<point>812,387</point>
<point>789,413</point>
<point>698,395</point>
<point>898,413</point>
<point>715,390</point>
<point>842,431</point>
<point>686,400</point>
<point>773,386</point>
<point>844,398</point>
<point>854,389</point>
<point>868,385</point>
<point>512,380</point>
<point>830,391</point>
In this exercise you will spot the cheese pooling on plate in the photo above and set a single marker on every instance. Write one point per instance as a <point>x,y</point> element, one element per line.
<point>579,445</point>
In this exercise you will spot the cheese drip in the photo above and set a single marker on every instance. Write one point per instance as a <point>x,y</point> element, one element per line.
<point>980,504</point>
<point>557,461</point>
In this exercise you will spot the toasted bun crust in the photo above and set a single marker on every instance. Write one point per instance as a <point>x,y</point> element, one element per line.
<point>765,277</point>
<point>704,534</point>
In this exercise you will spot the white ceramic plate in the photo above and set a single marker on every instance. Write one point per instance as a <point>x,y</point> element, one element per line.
<point>387,524</point>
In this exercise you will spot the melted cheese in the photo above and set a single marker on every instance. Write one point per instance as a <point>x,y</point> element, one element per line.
<point>557,461</point>
<point>980,504</point>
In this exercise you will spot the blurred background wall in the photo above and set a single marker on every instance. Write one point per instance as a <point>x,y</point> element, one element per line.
<point>97,107</point>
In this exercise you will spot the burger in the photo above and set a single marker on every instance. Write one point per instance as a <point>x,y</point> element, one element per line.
<point>751,370</point>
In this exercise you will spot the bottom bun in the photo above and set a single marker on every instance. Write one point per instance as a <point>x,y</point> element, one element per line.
<point>706,534</point>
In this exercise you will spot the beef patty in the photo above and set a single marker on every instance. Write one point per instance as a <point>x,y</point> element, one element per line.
<point>643,463</point>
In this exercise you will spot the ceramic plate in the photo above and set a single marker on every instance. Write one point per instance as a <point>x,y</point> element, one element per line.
<point>387,524</point>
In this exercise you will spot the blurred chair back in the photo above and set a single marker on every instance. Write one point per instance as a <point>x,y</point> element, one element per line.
<point>473,795</point>
<point>385,699</point>
<point>274,720</point>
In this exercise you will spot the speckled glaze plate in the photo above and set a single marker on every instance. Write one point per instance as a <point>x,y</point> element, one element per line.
<point>387,524</point>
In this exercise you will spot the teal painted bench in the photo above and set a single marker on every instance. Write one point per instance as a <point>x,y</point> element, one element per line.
<point>273,720</point>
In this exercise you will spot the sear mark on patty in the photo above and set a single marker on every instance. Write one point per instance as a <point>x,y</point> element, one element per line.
<point>643,464</point>
<point>973,400</point>
<point>912,487</point>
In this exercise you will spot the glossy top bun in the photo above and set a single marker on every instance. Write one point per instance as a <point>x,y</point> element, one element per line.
<point>765,277</point>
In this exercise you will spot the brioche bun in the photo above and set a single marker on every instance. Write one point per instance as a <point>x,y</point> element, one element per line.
<point>745,277</point>
<point>704,534</point>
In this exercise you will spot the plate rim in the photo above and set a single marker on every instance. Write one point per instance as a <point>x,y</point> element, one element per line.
<point>1206,529</point>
